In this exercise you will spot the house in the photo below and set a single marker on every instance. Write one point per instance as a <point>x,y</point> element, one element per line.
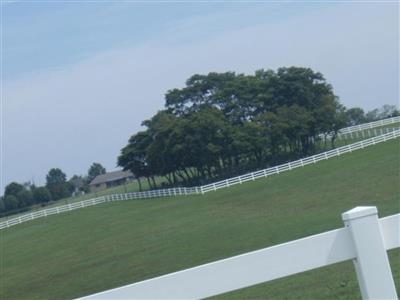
<point>107,180</point>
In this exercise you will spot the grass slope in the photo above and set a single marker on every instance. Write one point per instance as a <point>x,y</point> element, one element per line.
<point>134,186</point>
<point>101,247</point>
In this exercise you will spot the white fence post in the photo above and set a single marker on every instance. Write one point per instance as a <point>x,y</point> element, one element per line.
<point>371,262</point>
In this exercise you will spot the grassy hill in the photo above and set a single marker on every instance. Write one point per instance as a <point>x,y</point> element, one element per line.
<point>105,246</point>
<point>134,186</point>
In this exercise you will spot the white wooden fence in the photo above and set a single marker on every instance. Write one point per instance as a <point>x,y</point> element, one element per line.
<point>366,133</point>
<point>364,239</point>
<point>347,132</point>
<point>370,125</point>
<point>299,163</point>
<point>205,188</point>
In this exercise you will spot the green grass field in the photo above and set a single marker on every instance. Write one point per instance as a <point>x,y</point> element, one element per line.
<point>110,245</point>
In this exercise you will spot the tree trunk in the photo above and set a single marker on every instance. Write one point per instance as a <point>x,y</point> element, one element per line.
<point>149,182</point>
<point>140,183</point>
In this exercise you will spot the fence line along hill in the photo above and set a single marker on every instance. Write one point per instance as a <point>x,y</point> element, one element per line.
<point>392,134</point>
<point>114,244</point>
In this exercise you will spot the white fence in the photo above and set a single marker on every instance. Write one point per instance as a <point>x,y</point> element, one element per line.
<point>364,239</point>
<point>299,163</point>
<point>370,125</point>
<point>205,188</point>
<point>99,200</point>
<point>347,132</point>
<point>366,133</point>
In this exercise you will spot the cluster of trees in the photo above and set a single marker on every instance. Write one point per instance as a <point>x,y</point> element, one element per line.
<point>19,197</point>
<point>357,115</point>
<point>222,124</point>
<point>219,125</point>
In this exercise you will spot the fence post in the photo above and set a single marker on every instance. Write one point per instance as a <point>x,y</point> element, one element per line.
<point>371,263</point>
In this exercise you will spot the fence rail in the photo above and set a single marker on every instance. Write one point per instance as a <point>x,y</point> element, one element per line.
<point>370,125</point>
<point>366,133</point>
<point>205,188</point>
<point>299,163</point>
<point>364,239</point>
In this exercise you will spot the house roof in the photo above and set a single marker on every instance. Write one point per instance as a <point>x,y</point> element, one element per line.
<point>111,176</point>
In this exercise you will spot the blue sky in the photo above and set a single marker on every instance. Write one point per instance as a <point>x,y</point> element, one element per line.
<point>79,77</point>
<point>64,33</point>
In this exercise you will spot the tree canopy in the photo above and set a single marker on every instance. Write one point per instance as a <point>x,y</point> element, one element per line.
<point>95,169</point>
<point>222,124</point>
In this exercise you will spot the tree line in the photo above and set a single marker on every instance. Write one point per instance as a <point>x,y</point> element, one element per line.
<point>19,197</point>
<point>217,126</point>
<point>223,124</point>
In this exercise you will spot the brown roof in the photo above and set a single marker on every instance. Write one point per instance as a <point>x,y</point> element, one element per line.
<point>111,176</point>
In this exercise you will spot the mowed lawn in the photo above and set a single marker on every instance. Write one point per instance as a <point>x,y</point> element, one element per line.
<point>134,186</point>
<point>109,245</point>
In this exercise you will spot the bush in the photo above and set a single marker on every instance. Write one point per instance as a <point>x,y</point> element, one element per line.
<point>41,195</point>
<point>25,198</point>
<point>10,202</point>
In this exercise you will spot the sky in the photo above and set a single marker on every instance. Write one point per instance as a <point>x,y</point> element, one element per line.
<point>78,78</point>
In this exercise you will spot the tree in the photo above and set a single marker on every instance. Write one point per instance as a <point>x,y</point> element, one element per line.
<point>388,111</point>
<point>41,195</point>
<point>355,116</point>
<point>95,169</point>
<point>223,123</point>
<point>55,176</point>
<point>57,184</point>
<point>2,205</point>
<point>133,156</point>
<point>13,189</point>
<point>10,202</point>
<point>25,198</point>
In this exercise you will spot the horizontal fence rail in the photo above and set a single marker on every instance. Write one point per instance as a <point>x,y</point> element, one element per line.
<point>370,125</point>
<point>366,133</point>
<point>205,188</point>
<point>299,163</point>
<point>347,131</point>
<point>365,239</point>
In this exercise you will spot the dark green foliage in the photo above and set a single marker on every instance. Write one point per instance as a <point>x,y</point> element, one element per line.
<point>355,116</point>
<point>55,177</point>
<point>16,196</point>
<point>11,202</point>
<point>41,195</point>
<point>222,124</point>
<point>56,183</point>
<point>95,170</point>
<point>25,198</point>
<point>13,189</point>
<point>2,205</point>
